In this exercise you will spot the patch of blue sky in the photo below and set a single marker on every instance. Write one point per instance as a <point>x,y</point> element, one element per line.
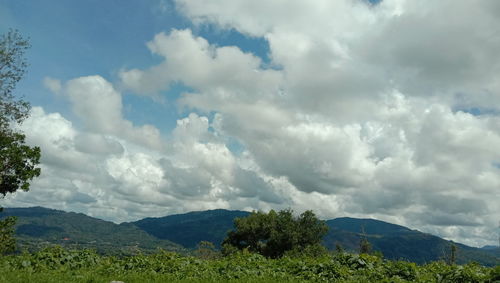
<point>258,46</point>
<point>70,38</point>
<point>235,146</point>
<point>477,111</point>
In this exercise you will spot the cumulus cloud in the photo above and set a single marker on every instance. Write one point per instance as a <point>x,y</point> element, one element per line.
<point>107,176</point>
<point>195,62</point>
<point>384,111</point>
<point>366,105</point>
<point>331,47</point>
<point>97,144</point>
<point>96,102</point>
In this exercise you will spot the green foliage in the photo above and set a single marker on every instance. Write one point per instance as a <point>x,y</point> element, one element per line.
<point>7,240</point>
<point>313,251</point>
<point>274,233</point>
<point>338,248</point>
<point>60,265</point>
<point>12,68</point>
<point>17,161</point>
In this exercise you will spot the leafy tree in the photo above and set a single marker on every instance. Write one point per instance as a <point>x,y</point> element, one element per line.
<point>18,161</point>
<point>274,233</point>
<point>18,164</point>
<point>12,69</point>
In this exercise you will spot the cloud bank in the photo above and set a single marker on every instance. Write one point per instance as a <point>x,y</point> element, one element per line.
<point>387,111</point>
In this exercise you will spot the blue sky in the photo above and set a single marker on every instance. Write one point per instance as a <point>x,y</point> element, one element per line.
<point>81,39</point>
<point>73,39</point>
<point>351,108</point>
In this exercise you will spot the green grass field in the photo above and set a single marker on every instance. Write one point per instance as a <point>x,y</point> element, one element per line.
<point>59,265</point>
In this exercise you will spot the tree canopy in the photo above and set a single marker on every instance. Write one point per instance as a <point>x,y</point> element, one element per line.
<point>274,233</point>
<point>18,161</point>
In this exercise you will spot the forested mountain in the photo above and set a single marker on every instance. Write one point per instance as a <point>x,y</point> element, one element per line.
<point>38,226</point>
<point>394,241</point>
<point>399,242</point>
<point>193,227</point>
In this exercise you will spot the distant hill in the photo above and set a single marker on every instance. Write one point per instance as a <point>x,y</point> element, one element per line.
<point>38,227</point>
<point>193,227</point>
<point>493,250</point>
<point>489,248</point>
<point>399,242</point>
<point>370,226</point>
<point>394,241</point>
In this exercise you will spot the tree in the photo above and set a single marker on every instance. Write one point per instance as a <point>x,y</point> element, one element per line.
<point>364,245</point>
<point>12,68</point>
<point>18,161</point>
<point>275,233</point>
<point>452,258</point>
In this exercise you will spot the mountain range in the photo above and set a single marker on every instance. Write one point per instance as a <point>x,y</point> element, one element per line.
<point>39,226</point>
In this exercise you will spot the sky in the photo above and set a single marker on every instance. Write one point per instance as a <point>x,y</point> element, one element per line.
<point>373,109</point>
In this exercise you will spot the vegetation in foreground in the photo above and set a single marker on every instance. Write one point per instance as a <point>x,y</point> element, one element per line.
<point>56,264</point>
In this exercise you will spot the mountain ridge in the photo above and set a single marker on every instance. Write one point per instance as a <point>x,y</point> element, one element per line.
<point>38,227</point>
<point>393,240</point>
<point>188,229</point>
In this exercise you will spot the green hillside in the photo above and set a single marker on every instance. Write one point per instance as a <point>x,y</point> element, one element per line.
<point>191,228</point>
<point>38,227</point>
<point>398,242</point>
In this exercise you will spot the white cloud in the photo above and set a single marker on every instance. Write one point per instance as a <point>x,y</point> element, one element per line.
<point>369,102</point>
<point>361,112</point>
<point>193,61</point>
<point>106,176</point>
<point>97,144</point>
<point>99,106</point>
